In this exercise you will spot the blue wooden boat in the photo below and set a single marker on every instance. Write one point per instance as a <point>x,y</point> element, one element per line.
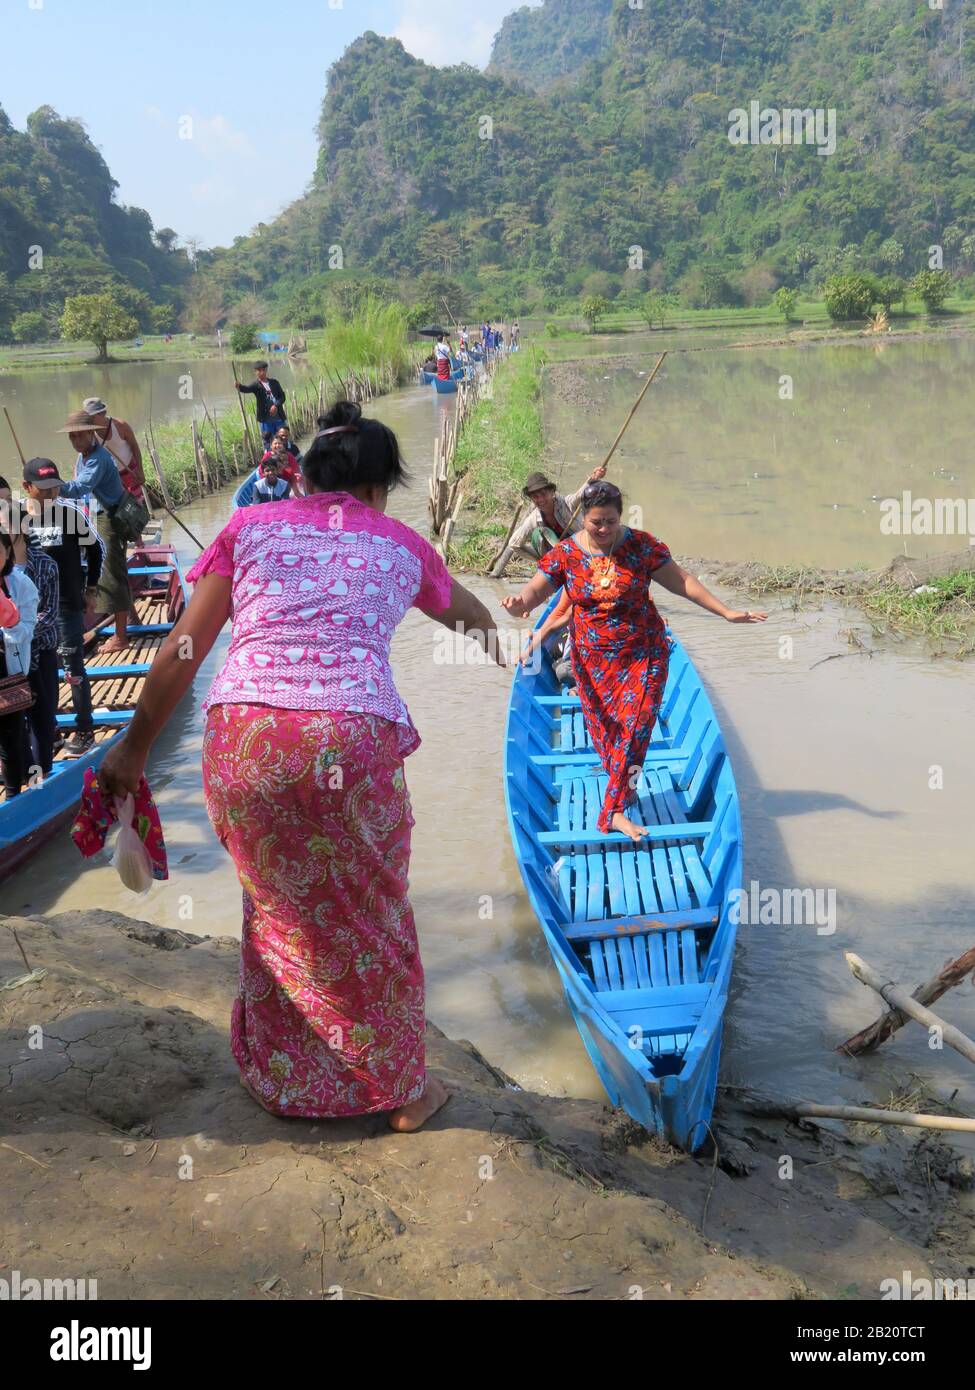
<point>159,597</point>
<point>642,935</point>
<point>447,387</point>
<point>244,495</point>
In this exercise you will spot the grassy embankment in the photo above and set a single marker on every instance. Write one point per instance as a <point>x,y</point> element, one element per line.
<point>809,314</point>
<point>501,444</point>
<point>360,358</point>
<point>942,610</point>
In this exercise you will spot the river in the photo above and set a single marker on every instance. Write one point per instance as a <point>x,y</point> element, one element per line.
<point>833,757</point>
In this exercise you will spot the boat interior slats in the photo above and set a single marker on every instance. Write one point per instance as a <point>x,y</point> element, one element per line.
<point>640,918</point>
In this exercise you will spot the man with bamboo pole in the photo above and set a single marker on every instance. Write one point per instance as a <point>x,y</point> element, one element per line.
<point>550,515</point>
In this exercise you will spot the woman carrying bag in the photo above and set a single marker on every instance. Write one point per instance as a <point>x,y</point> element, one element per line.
<point>18,614</point>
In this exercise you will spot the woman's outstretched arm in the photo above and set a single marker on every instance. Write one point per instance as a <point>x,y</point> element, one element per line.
<point>679,582</point>
<point>467,614</point>
<point>534,592</point>
<point>170,676</point>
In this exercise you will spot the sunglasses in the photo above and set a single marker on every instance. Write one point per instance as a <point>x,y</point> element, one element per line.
<point>608,490</point>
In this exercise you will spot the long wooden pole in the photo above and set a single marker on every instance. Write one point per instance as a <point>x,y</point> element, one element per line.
<point>636,406</point>
<point>14,433</point>
<point>864,1114</point>
<point>951,974</point>
<point>243,415</point>
<point>165,493</point>
<point>899,998</point>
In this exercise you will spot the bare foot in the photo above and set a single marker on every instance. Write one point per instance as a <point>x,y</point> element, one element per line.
<point>114,644</point>
<point>413,1116</point>
<point>628,827</point>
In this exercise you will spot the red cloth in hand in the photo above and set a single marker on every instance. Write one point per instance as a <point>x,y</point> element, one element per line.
<point>98,814</point>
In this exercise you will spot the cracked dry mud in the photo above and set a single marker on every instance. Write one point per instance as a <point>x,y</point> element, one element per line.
<point>130,1154</point>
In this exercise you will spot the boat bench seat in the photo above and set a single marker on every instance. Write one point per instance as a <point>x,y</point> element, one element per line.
<point>642,916</point>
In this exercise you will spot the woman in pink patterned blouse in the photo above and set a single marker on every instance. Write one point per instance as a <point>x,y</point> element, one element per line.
<point>303,774</point>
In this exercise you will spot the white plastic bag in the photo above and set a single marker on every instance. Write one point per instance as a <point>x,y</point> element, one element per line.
<point>131,858</point>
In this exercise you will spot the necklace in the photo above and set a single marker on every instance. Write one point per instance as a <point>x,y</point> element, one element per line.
<point>603,567</point>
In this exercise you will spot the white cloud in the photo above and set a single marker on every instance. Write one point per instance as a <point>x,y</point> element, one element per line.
<point>437,37</point>
<point>214,137</point>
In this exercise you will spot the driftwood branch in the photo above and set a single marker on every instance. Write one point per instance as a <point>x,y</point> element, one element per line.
<point>909,1006</point>
<point>863,1114</point>
<point>953,973</point>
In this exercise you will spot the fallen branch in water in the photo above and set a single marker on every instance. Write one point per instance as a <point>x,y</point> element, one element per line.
<point>953,973</point>
<point>861,1114</point>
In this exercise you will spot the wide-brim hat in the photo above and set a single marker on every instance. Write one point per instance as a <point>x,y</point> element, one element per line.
<point>78,422</point>
<point>536,482</point>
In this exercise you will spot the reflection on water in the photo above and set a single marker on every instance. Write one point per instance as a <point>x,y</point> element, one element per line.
<point>833,769</point>
<point>722,465</point>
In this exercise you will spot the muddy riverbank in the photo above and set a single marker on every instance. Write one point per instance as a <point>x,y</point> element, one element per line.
<point>130,1155</point>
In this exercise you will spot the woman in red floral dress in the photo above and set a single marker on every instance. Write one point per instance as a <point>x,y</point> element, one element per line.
<point>619,646</point>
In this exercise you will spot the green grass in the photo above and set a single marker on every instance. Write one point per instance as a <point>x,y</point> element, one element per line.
<point>502,442</point>
<point>809,313</point>
<point>372,345</point>
<point>943,611</point>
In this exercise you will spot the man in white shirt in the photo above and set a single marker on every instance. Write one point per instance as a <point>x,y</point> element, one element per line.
<point>550,515</point>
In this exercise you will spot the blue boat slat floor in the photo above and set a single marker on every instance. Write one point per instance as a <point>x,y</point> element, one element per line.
<point>641,924</point>
<point>645,968</point>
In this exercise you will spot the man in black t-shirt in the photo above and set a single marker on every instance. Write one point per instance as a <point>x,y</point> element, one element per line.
<point>68,537</point>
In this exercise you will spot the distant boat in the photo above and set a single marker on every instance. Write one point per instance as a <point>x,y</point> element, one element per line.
<point>447,387</point>
<point>642,935</point>
<point>159,597</point>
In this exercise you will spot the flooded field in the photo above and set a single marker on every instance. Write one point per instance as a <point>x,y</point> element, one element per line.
<point>782,455</point>
<point>833,760</point>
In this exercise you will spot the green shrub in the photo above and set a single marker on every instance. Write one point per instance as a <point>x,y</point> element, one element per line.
<point>243,337</point>
<point>850,296</point>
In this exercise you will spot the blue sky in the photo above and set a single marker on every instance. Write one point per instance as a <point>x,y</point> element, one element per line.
<point>251,76</point>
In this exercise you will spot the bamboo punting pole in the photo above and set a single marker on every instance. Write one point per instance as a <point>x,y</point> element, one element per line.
<point>167,500</point>
<point>14,433</point>
<point>636,406</point>
<point>243,415</point>
<point>899,998</point>
<point>951,974</point>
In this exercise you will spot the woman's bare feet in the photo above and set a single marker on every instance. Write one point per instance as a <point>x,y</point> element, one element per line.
<point>413,1116</point>
<point>114,644</point>
<point>628,827</point>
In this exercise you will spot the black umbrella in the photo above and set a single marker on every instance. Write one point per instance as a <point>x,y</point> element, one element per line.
<point>432,331</point>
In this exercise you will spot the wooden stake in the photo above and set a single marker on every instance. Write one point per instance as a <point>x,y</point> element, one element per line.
<point>862,1114</point>
<point>951,974</point>
<point>636,406</point>
<point>900,999</point>
<point>14,433</point>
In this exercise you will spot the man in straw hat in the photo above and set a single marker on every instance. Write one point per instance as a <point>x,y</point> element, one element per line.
<point>119,439</point>
<point>550,514</point>
<point>97,476</point>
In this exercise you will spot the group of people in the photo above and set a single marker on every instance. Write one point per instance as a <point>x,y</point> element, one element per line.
<point>441,359</point>
<point>63,559</point>
<point>306,736</point>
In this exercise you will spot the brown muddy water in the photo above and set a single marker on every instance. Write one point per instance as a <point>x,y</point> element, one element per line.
<point>833,760</point>
<point>724,463</point>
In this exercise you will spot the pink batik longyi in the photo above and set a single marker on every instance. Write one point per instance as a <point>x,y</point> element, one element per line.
<point>329,1018</point>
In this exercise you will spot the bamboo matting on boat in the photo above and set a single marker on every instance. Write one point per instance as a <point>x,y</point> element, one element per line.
<point>119,693</point>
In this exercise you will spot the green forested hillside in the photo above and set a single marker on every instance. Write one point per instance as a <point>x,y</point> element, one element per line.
<point>57,194</point>
<point>634,152</point>
<point>550,43</point>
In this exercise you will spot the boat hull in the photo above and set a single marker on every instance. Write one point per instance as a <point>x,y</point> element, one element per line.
<point>30,820</point>
<point>642,936</point>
